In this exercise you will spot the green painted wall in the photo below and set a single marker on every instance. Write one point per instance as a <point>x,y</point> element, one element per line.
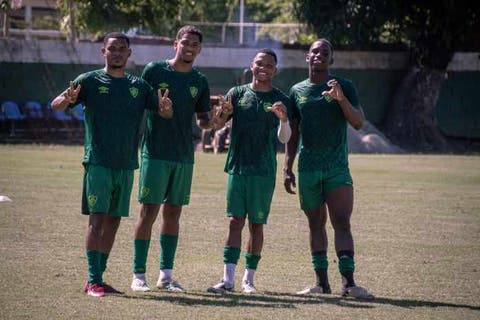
<point>457,112</point>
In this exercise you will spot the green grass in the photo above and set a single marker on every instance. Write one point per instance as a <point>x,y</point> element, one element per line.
<point>416,225</point>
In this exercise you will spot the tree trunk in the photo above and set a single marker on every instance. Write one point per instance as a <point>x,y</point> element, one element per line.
<point>410,122</point>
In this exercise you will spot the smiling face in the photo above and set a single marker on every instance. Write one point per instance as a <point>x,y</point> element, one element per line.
<point>116,53</point>
<point>263,67</point>
<point>187,47</point>
<point>320,55</point>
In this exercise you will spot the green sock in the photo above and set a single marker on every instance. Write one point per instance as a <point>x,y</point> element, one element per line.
<point>140,253</point>
<point>94,272</point>
<point>231,254</point>
<point>346,266</point>
<point>251,261</point>
<point>103,261</point>
<point>320,265</point>
<point>168,245</point>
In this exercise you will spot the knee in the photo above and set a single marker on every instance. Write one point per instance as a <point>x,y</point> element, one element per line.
<point>342,225</point>
<point>236,224</point>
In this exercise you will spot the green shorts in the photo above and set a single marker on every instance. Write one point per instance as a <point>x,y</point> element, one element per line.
<point>250,196</point>
<point>106,190</point>
<point>314,185</point>
<point>165,181</point>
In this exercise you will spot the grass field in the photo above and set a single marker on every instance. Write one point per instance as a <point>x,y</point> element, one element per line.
<point>416,225</point>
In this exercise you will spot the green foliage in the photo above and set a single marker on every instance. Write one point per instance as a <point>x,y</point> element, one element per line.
<point>434,29</point>
<point>103,16</point>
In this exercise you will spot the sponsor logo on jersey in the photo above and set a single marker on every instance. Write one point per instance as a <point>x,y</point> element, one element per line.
<point>193,91</point>
<point>103,89</point>
<point>134,92</point>
<point>163,85</point>
<point>328,98</point>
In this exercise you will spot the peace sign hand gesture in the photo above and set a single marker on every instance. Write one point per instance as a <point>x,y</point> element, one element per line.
<point>226,105</point>
<point>165,109</point>
<point>71,94</point>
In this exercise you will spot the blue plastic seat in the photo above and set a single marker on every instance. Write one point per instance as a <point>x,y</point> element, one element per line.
<point>11,111</point>
<point>78,112</point>
<point>61,115</point>
<point>33,110</point>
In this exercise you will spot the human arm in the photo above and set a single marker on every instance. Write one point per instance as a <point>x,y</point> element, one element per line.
<point>67,97</point>
<point>291,148</point>
<point>354,116</point>
<point>284,132</point>
<point>220,115</point>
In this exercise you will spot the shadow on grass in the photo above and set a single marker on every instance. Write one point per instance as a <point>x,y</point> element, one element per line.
<point>283,300</point>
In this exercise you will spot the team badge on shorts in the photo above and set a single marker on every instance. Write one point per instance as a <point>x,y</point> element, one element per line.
<point>92,200</point>
<point>144,191</point>
<point>134,92</point>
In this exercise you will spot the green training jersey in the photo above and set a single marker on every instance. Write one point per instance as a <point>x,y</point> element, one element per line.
<point>323,126</point>
<point>172,139</point>
<point>253,139</point>
<point>114,109</point>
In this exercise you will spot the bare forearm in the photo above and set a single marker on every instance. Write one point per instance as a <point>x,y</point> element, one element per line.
<point>60,102</point>
<point>354,116</point>
<point>291,147</point>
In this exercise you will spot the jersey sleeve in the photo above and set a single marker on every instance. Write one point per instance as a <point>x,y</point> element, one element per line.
<point>351,93</point>
<point>203,103</point>
<point>293,114</point>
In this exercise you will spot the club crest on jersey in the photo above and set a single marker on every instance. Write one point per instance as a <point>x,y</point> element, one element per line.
<point>134,92</point>
<point>193,91</point>
<point>266,105</point>
<point>302,100</point>
<point>92,200</point>
<point>244,102</point>
<point>103,89</point>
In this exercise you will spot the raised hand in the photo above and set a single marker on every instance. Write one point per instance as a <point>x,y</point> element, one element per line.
<point>226,105</point>
<point>71,94</point>
<point>279,109</point>
<point>165,109</point>
<point>335,92</point>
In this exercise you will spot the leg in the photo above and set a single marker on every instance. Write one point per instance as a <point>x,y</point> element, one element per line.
<point>340,206</point>
<point>169,230</point>
<point>231,252</point>
<point>142,234</point>
<point>317,219</point>
<point>93,246</point>
<point>254,250</point>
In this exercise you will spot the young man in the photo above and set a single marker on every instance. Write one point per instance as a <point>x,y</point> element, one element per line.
<point>323,104</point>
<point>114,106</point>
<point>259,117</point>
<point>168,155</point>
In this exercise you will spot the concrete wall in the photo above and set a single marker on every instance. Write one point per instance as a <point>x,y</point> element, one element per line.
<point>40,69</point>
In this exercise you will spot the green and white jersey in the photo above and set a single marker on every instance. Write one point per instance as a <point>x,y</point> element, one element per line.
<point>114,109</point>
<point>253,139</point>
<point>171,139</point>
<point>323,126</point>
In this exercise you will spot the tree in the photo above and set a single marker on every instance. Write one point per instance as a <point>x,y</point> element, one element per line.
<point>431,30</point>
<point>101,16</point>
